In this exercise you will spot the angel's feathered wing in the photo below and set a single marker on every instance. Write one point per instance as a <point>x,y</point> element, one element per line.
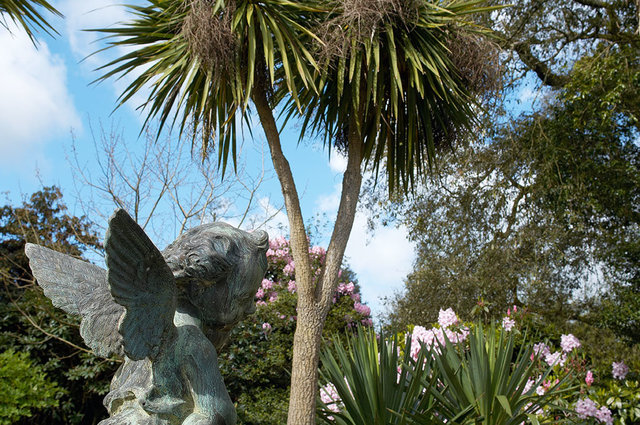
<point>80,288</point>
<point>142,282</point>
<point>129,308</point>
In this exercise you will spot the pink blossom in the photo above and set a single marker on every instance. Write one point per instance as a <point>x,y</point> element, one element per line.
<point>367,322</point>
<point>267,284</point>
<point>355,297</point>
<point>585,408</point>
<point>528,386</point>
<point>318,251</point>
<point>555,358</point>
<point>329,396</point>
<point>604,415</point>
<point>569,342</point>
<point>266,327</point>
<point>289,268</point>
<point>273,296</point>
<point>346,288</point>
<point>291,287</point>
<point>362,309</point>
<point>447,318</point>
<point>260,293</point>
<point>270,253</point>
<point>508,323</point>
<point>541,349</point>
<point>261,303</point>
<point>619,370</point>
<point>589,378</point>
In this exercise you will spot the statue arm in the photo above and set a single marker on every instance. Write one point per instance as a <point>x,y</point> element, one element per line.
<point>212,404</point>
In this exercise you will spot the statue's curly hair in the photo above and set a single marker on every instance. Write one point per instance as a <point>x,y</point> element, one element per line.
<point>210,252</point>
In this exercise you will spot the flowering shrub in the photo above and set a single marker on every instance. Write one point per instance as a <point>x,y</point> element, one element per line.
<point>257,362</point>
<point>546,384</point>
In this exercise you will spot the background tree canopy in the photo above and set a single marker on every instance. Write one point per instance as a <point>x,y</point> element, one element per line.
<point>543,209</point>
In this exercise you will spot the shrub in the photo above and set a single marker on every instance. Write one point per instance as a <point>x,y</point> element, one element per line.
<point>24,387</point>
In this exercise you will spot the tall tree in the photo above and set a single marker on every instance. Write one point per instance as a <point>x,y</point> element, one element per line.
<point>547,204</point>
<point>393,89</point>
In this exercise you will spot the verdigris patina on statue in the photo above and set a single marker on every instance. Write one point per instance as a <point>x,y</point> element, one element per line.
<point>165,313</point>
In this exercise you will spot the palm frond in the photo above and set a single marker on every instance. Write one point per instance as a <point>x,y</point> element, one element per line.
<point>28,15</point>
<point>396,75</point>
<point>186,85</point>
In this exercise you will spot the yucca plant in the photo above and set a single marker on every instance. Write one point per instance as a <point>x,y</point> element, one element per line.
<point>488,381</point>
<point>492,382</point>
<point>374,383</point>
<point>28,15</point>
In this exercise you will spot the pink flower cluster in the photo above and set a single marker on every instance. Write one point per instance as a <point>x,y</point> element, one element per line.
<point>508,323</point>
<point>346,288</point>
<point>569,342</point>
<point>330,397</point>
<point>435,337</point>
<point>362,309</point>
<point>447,318</point>
<point>290,268</point>
<point>619,370</point>
<point>585,408</point>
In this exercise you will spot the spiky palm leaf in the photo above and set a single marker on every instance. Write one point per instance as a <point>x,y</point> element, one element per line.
<point>27,14</point>
<point>190,88</point>
<point>392,70</point>
<point>488,382</point>
<point>375,385</point>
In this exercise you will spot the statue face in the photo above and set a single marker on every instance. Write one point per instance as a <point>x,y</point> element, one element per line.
<point>223,304</point>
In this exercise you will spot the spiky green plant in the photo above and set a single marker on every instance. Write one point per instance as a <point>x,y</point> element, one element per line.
<point>27,14</point>
<point>387,73</point>
<point>201,60</point>
<point>487,383</point>
<point>373,382</point>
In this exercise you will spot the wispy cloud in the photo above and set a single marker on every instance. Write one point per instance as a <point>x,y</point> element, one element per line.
<point>35,103</point>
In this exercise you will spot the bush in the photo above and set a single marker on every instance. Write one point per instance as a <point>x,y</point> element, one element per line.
<point>24,387</point>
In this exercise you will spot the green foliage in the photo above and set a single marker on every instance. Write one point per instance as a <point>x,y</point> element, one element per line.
<point>24,388</point>
<point>32,325</point>
<point>489,380</point>
<point>209,87</point>
<point>387,75</point>
<point>256,364</point>
<point>374,385</point>
<point>623,399</point>
<point>547,206</point>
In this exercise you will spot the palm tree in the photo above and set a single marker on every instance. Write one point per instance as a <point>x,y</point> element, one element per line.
<point>379,81</point>
<point>25,14</point>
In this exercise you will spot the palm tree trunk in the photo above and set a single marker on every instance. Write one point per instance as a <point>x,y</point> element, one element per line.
<point>314,300</point>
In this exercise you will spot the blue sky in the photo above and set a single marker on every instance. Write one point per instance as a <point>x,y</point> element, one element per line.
<point>46,97</point>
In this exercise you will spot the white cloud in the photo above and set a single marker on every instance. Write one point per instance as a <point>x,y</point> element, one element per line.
<point>380,259</point>
<point>35,103</point>
<point>329,203</point>
<point>337,162</point>
<point>81,15</point>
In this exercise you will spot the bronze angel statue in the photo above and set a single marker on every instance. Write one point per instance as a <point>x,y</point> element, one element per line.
<point>165,313</point>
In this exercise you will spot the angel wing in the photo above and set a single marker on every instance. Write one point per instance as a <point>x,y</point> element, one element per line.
<point>141,281</point>
<point>80,288</point>
<point>128,309</point>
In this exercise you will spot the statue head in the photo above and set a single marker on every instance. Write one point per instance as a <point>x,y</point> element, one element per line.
<point>218,269</point>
